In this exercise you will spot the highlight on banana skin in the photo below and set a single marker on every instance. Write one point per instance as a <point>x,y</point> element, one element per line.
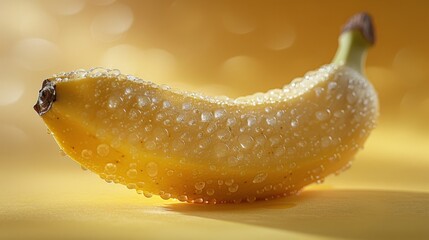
<point>199,149</point>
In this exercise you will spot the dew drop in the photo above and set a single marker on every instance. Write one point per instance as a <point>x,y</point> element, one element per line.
<point>180,118</point>
<point>351,98</point>
<point>210,191</point>
<point>160,133</point>
<point>192,122</point>
<point>271,121</point>
<point>219,113</point>
<point>165,195</point>
<point>200,185</point>
<point>205,143</point>
<point>86,154</point>
<point>332,86</point>
<point>206,116</point>
<point>150,145</point>
<point>177,145</point>
<point>143,101</point>
<point>251,121</point>
<point>128,91</point>
<point>322,115</point>
<point>251,199</point>
<point>147,194</point>
<point>339,113</point>
<point>318,91</point>
<point>232,161</point>
<point>199,200</point>
<point>186,106</point>
<point>112,73</point>
<point>231,121</point>
<point>275,140</point>
<point>280,113</point>
<point>113,102</point>
<point>229,182</point>
<point>223,134</point>
<point>152,169</point>
<point>182,198</point>
<point>260,140</point>
<point>62,153</point>
<point>245,141</point>
<point>320,181</point>
<point>103,150</point>
<point>211,127</point>
<point>233,188</point>
<point>110,168</point>
<point>279,151</point>
<point>221,150</point>
<point>260,177</point>
<point>97,72</point>
<point>166,104</point>
<point>302,143</point>
<point>294,123</point>
<point>170,173</point>
<point>132,173</point>
<point>326,141</point>
<point>167,122</point>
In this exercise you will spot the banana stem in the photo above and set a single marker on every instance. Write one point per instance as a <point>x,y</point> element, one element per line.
<point>357,36</point>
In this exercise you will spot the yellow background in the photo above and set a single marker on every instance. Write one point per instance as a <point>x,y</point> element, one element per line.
<point>219,48</point>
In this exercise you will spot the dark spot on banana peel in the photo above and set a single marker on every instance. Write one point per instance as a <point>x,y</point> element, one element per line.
<point>47,96</point>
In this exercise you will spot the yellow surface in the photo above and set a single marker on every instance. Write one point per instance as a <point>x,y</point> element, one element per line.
<point>385,195</point>
<point>217,47</point>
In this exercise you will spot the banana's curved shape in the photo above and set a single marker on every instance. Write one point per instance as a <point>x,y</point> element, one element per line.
<point>214,150</point>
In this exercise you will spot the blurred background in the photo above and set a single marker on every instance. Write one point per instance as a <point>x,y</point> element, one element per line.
<point>218,47</point>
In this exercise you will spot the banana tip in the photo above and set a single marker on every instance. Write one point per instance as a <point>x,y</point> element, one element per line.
<point>47,96</point>
<point>363,22</point>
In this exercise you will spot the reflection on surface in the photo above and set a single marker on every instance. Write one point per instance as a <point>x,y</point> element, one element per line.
<point>79,201</point>
<point>352,214</point>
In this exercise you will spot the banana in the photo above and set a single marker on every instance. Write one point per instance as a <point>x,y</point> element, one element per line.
<point>201,149</point>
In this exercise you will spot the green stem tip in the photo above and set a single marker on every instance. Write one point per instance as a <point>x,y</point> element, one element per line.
<point>356,37</point>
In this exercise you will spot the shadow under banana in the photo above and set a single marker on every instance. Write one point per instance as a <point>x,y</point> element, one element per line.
<point>351,214</point>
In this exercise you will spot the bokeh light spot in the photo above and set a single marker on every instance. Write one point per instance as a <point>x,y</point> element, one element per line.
<point>102,2</point>
<point>13,137</point>
<point>243,73</point>
<point>36,22</point>
<point>237,24</point>
<point>36,54</point>
<point>280,39</point>
<point>67,7</point>
<point>11,90</point>
<point>411,63</point>
<point>151,64</point>
<point>113,21</point>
